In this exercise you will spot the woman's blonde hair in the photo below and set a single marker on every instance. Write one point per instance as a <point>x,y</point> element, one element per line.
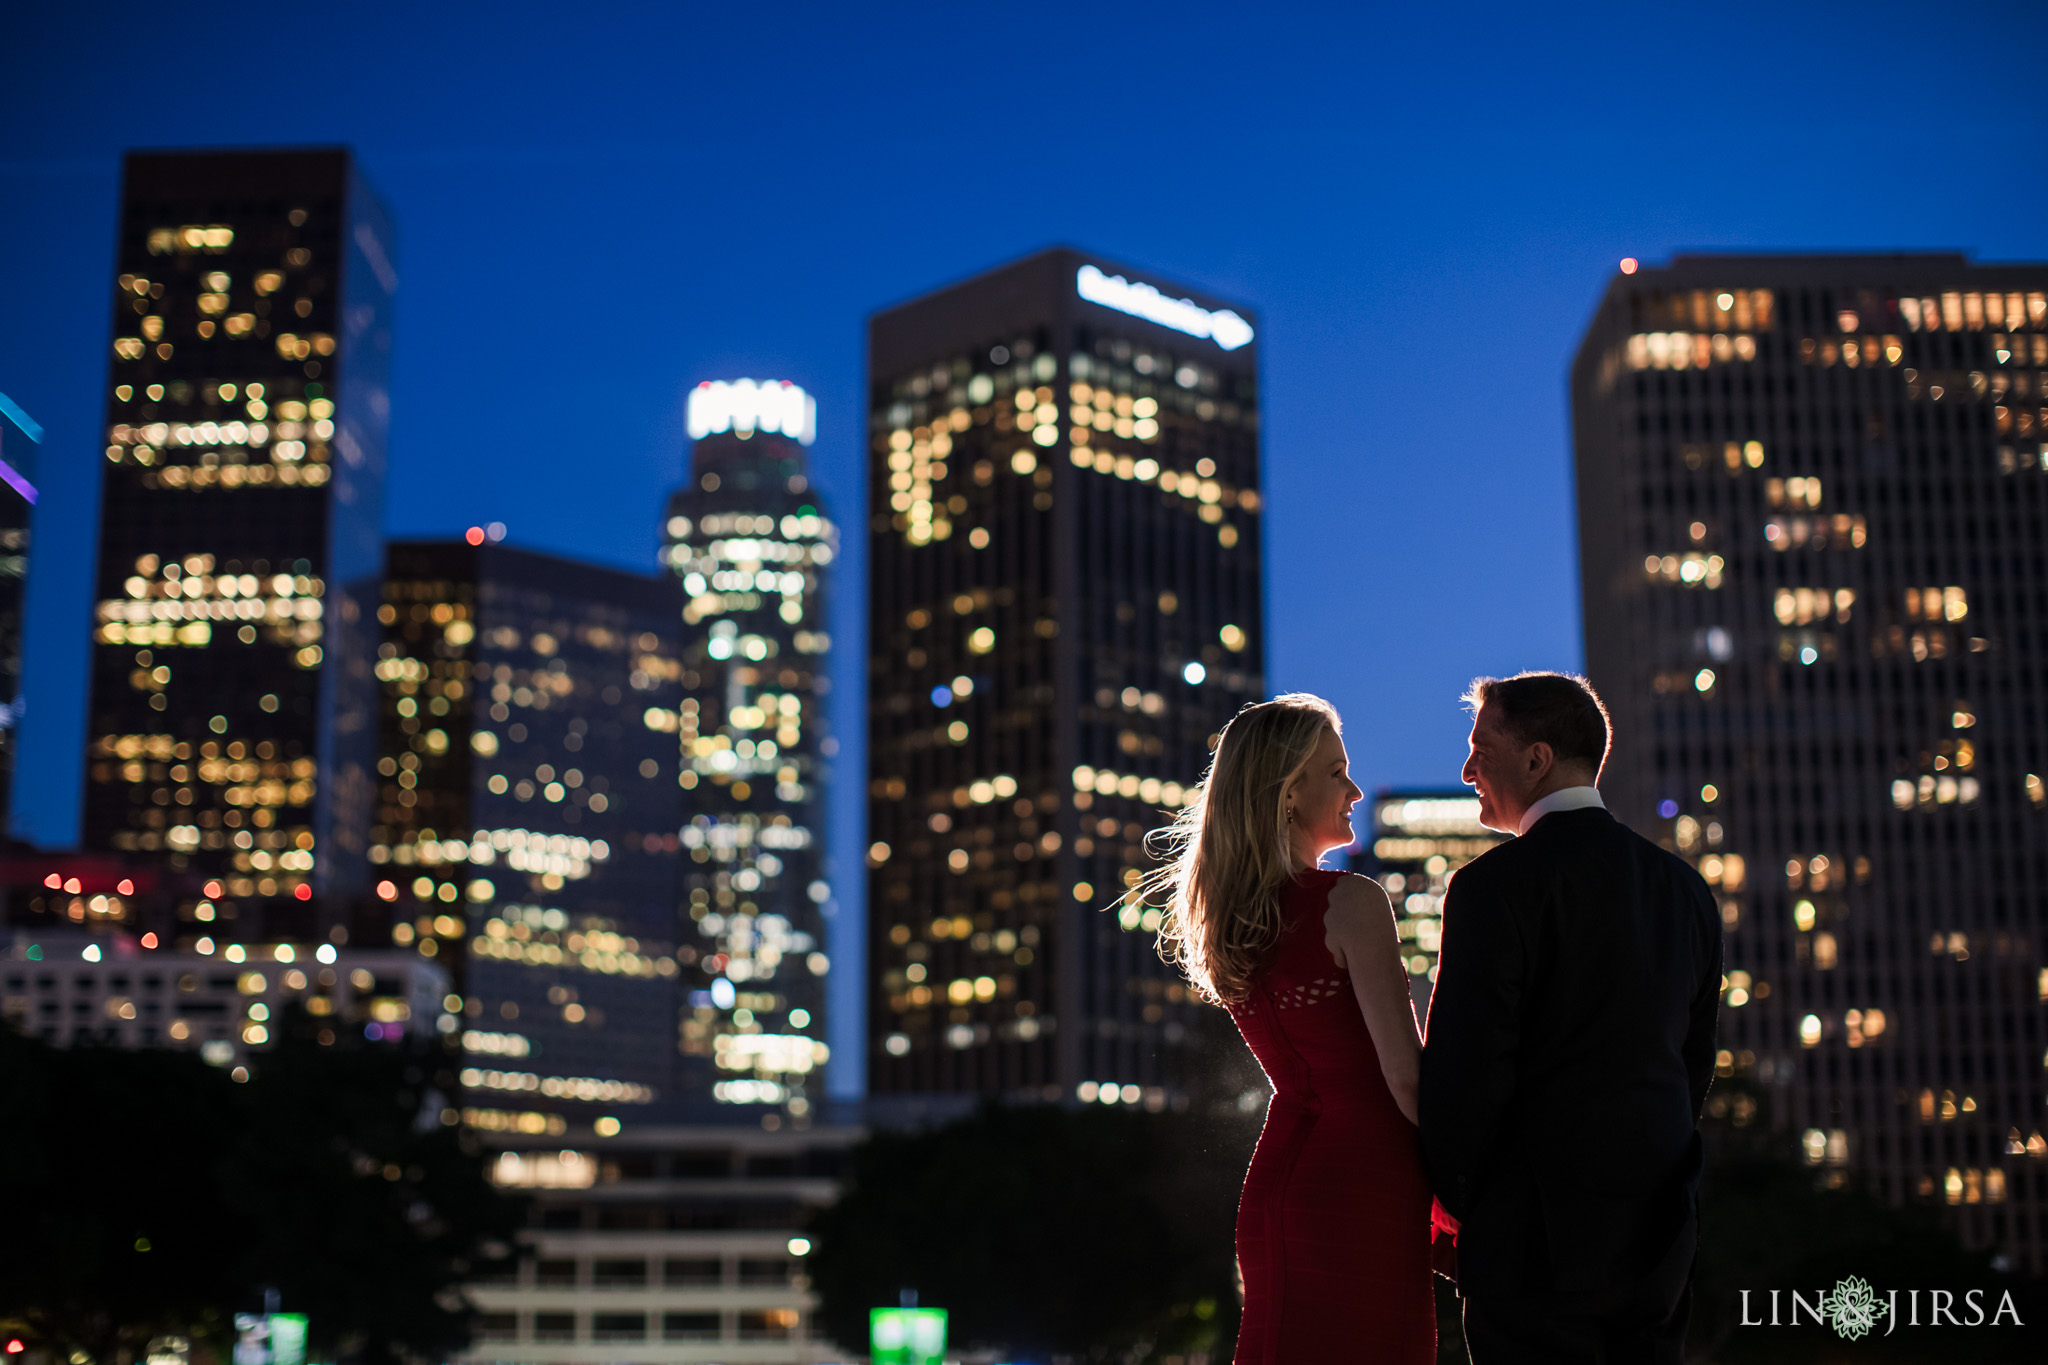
<point>1227,856</point>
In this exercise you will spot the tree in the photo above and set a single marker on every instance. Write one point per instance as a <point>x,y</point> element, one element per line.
<point>148,1193</point>
<point>112,1165</point>
<point>1044,1232</point>
<point>371,1208</point>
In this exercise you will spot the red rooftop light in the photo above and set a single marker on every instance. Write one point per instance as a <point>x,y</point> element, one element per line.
<point>73,885</point>
<point>1629,264</point>
<point>303,891</point>
<point>55,881</point>
<point>149,940</point>
<point>474,535</point>
<point>126,887</point>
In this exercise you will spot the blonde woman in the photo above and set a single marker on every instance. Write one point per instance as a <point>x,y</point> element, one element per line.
<point>1333,1227</point>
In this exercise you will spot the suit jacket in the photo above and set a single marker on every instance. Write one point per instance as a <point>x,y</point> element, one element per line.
<point>1569,1048</point>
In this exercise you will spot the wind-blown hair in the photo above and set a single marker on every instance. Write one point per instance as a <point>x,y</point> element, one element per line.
<point>1226,856</point>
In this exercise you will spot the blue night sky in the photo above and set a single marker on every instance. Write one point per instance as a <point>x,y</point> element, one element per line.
<point>600,205</point>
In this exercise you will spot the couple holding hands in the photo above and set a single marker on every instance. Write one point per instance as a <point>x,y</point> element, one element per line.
<point>1538,1141</point>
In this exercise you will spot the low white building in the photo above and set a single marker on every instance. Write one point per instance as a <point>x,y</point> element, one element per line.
<point>664,1246</point>
<point>69,987</point>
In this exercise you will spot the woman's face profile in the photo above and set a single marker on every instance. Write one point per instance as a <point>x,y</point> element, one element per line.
<point>1321,798</point>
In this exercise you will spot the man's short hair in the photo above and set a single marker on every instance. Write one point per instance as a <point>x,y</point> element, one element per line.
<point>1558,709</point>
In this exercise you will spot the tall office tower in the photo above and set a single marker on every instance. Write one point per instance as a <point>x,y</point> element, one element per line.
<point>1064,610</point>
<point>19,436</point>
<point>1812,493</point>
<point>526,822</point>
<point>233,714</point>
<point>750,541</point>
<point>1419,838</point>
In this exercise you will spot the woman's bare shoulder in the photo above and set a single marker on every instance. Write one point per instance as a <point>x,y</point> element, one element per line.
<point>1356,897</point>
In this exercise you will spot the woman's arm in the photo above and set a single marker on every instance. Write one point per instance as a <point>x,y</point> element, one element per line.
<point>1358,928</point>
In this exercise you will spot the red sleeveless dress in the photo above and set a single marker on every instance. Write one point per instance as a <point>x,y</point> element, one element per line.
<point>1333,1230</point>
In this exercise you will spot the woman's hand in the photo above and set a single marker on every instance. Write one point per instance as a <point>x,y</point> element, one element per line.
<point>1443,1241</point>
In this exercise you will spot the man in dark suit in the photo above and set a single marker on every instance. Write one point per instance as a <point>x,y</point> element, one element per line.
<point>1569,1049</point>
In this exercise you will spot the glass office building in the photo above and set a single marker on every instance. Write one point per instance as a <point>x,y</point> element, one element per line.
<point>1812,493</point>
<point>748,539</point>
<point>1065,607</point>
<point>525,833</point>
<point>19,436</point>
<point>1419,838</point>
<point>232,714</point>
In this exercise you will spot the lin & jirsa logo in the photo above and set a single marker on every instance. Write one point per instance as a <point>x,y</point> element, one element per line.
<point>1854,1309</point>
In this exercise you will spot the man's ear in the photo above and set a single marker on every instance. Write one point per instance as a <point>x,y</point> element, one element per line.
<point>1542,758</point>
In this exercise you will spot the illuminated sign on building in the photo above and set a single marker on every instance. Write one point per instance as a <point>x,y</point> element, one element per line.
<point>270,1339</point>
<point>28,427</point>
<point>745,406</point>
<point>907,1336</point>
<point>1223,327</point>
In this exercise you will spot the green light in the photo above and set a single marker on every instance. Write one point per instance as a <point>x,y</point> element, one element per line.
<point>270,1338</point>
<point>287,1339</point>
<point>907,1336</point>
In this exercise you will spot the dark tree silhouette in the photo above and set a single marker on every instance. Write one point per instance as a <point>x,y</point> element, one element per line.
<point>113,1167</point>
<point>148,1193</point>
<point>1048,1233</point>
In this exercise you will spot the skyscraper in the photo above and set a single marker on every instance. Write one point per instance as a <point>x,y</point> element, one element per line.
<point>19,436</point>
<point>1419,839</point>
<point>525,832</point>
<point>1812,493</point>
<point>749,539</point>
<point>1065,607</point>
<point>232,721</point>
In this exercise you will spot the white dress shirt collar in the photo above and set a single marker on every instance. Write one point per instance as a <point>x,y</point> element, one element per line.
<point>1564,798</point>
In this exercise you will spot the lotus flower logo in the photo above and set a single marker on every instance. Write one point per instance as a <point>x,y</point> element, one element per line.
<point>1853,1308</point>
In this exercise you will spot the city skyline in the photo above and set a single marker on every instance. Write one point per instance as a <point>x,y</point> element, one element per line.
<point>458,736</point>
<point>1423,266</point>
